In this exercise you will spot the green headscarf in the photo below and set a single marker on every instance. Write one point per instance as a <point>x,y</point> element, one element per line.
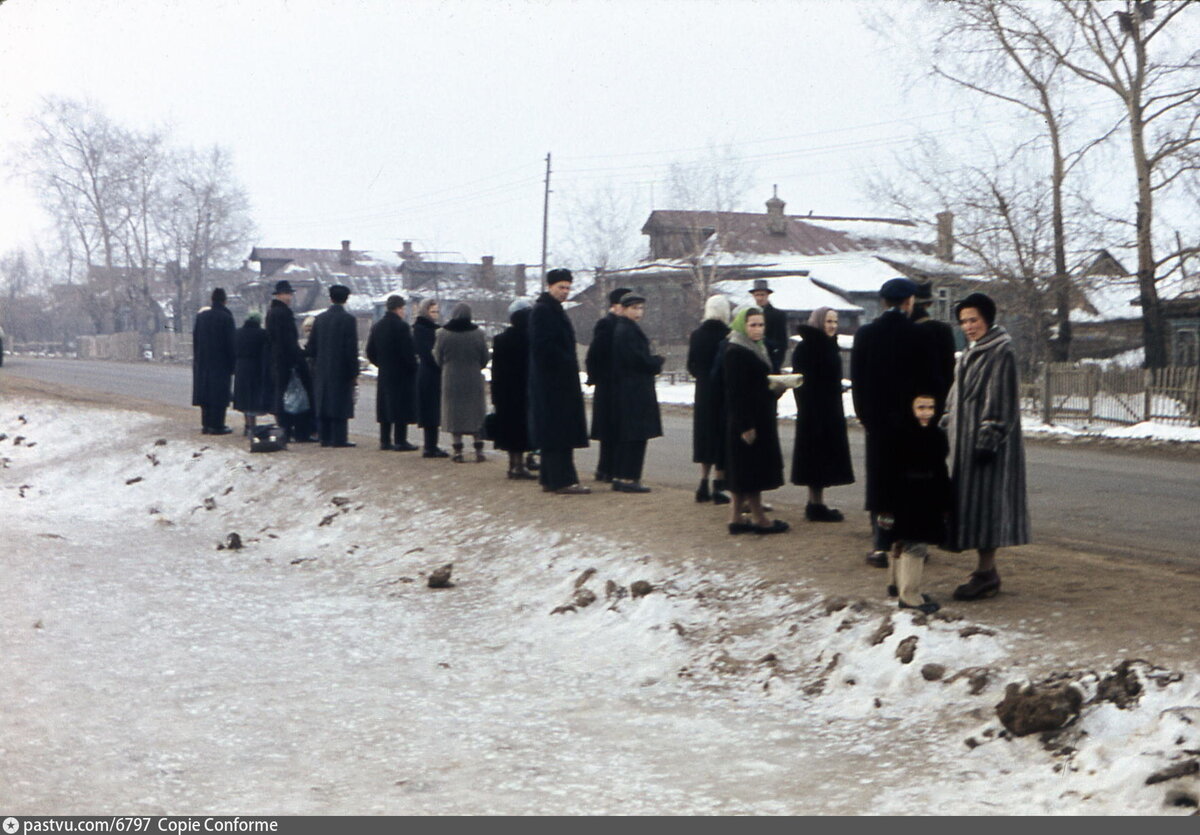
<point>738,335</point>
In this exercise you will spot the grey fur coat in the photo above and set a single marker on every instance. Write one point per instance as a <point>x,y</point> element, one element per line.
<point>987,455</point>
<point>461,351</point>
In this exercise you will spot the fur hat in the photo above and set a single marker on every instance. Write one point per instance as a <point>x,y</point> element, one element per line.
<point>982,303</point>
<point>560,274</point>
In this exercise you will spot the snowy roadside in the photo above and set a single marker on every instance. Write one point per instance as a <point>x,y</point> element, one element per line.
<point>313,670</point>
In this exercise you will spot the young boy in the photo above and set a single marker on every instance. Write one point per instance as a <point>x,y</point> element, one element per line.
<point>919,497</point>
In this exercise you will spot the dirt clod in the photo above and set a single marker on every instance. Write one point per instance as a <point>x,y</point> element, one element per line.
<point>1122,686</point>
<point>933,672</point>
<point>210,503</point>
<point>133,480</point>
<point>1183,769</point>
<point>907,649</point>
<point>234,542</point>
<point>439,578</point>
<point>1035,708</point>
<point>968,631</point>
<point>614,591</point>
<point>584,576</point>
<point>885,630</point>
<point>834,604</point>
<point>640,588</point>
<point>583,598</point>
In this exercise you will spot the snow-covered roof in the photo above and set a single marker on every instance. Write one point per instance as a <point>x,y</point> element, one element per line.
<point>789,292</point>
<point>1112,299</point>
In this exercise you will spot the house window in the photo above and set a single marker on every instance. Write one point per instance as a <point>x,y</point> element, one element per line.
<point>941,304</point>
<point>1187,345</point>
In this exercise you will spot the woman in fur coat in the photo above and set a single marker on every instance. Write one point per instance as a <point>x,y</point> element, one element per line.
<point>461,352</point>
<point>983,420</point>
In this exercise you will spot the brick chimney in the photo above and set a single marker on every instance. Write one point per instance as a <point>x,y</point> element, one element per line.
<point>487,272</point>
<point>944,249</point>
<point>407,253</point>
<point>345,258</point>
<point>519,280</point>
<point>776,219</point>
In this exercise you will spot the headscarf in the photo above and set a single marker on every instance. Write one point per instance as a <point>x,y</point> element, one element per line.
<point>816,319</point>
<point>717,308</point>
<point>738,335</point>
<point>423,307</point>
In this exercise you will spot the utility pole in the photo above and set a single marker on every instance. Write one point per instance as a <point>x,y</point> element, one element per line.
<point>545,218</point>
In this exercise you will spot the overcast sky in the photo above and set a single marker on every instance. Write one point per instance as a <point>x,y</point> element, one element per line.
<point>430,121</point>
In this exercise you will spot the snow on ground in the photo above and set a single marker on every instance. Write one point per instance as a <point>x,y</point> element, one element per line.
<point>312,671</point>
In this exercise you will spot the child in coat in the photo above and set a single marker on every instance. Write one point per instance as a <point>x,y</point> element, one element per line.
<point>920,498</point>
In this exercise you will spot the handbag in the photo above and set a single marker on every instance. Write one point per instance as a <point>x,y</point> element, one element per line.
<point>269,438</point>
<point>295,398</point>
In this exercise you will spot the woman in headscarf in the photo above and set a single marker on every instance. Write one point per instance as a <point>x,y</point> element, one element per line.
<point>510,384</point>
<point>429,377</point>
<point>462,353</point>
<point>251,371</point>
<point>754,462</point>
<point>987,454</point>
<point>821,456</point>
<point>708,439</point>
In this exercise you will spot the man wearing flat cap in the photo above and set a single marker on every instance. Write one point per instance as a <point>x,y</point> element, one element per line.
<point>557,420</point>
<point>888,368</point>
<point>776,336</point>
<point>637,419</point>
<point>333,347</point>
<point>598,364</point>
<point>287,359</point>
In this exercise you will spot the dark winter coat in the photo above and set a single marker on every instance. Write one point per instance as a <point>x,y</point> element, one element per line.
<point>983,418</point>
<point>333,347</point>
<point>821,456</point>
<point>390,348</point>
<point>286,356</point>
<point>750,404</point>
<point>557,420</point>
<point>888,367</point>
<point>634,368</point>
<point>776,336</point>
<point>461,352</point>
<point>917,492</point>
<point>707,438</point>
<point>212,356</point>
<point>252,370</point>
<point>429,376</point>
<point>599,367</point>
<point>938,343</point>
<point>510,384</point>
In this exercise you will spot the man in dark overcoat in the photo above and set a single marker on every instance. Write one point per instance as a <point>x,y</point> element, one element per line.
<point>557,420</point>
<point>333,346</point>
<point>390,348</point>
<point>887,369</point>
<point>638,419</point>
<point>598,364</point>
<point>251,371</point>
<point>213,360</point>
<point>286,358</point>
<point>429,377</point>
<point>510,389</point>
<point>937,337</point>
<point>776,338</point>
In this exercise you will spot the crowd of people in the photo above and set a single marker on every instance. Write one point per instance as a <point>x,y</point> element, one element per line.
<point>944,462</point>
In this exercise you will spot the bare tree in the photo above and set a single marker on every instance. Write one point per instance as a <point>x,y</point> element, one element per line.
<point>602,227</point>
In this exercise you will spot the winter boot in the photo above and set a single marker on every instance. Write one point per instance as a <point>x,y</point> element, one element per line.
<point>479,456</point>
<point>908,574</point>
<point>457,458</point>
<point>719,496</point>
<point>702,494</point>
<point>893,588</point>
<point>979,585</point>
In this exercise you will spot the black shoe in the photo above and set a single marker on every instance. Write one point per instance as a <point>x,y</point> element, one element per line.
<point>308,439</point>
<point>893,591</point>
<point>629,487</point>
<point>877,559</point>
<point>822,513</point>
<point>204,430</point>
<point>777,526</point>
<point>386,447</point>
<point>979,585</point>
<point>740,527</point>
<point>405,447</point>
<point>702,493</point>
<point>344,445</point>
<point>602,476</point>
<point>435,453</point>
<point>224,430</point>
<point>928,607</point>
<point>521,474</point>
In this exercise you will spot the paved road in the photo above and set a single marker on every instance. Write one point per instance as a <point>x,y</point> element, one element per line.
<point>1126,502</point>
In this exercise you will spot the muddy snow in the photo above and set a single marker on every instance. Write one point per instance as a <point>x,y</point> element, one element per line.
<point>153,668</point>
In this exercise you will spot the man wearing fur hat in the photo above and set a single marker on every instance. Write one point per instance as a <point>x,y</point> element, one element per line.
<point>557,420</point>
<point>213,359</point>
<point>887,370</point>
<point>598,364</point>
<point>333,346</point>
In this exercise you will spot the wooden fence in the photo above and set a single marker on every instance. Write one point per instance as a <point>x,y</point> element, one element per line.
<point>1073,393</point>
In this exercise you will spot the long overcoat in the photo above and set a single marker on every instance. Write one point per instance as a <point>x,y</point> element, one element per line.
<point>707,438</point>
<point>983,419</point>
<point>286,355</point>
<point>557,420</point>
<point>333,347</point>
<point>599,367</point>
<point>775,337</point>
<point>633,371</point>
<point>429,376</point>
<point>461,352</point>
<point>390,348</point>
<point>821,455</point>
<point>252,370</point>
<point>919,493</point>
<point>510,384</point>
<point>937,338</point>
<point>750,404</point>
<point>887,368</point>
<point>212,356</point>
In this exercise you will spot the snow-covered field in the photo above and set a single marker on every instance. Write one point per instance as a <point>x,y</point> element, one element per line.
<point>314,671</point>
